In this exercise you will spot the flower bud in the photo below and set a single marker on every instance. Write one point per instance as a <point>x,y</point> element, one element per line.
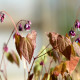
<point>27,27</point>
<point>20,27</point>
<point>72,33</point>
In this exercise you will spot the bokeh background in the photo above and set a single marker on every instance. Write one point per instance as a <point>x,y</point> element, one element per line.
<point>45,15</point>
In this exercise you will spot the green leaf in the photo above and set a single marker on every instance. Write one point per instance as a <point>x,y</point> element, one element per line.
<point>37,68</point>
<point>12,57</point>
<point>9,57</point>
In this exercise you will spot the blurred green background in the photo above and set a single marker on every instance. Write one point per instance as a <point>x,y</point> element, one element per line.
<point>45,15</point>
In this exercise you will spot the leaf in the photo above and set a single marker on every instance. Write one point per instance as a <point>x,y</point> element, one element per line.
<point>53,39</point>
<point>15,58</point>
<point>9,57</point>
<point>68,77</point>
<point>53,77</point>
<point>76,48</point>
<point>26,46</point>
<point>71,65</point>
<point>18,39</point>
<point>60,43</point>
<point>73,51</point>
<point>45,76</point>
<point>37,68</point>
<point>30,77</point>
<point>54,54</point>
<point>12,57</point>
<point>60,69</point>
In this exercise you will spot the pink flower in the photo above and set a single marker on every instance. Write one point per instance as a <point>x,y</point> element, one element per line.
<point>27,27</point>
<point>2,16</point>
<point>42,63</point>
<point>5,48</point>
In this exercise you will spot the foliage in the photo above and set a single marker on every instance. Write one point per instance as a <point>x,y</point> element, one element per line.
<point>61,46</point>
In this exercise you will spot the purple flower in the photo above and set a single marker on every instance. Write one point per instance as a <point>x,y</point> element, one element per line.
<point>77,24</point>
<point>77,40</point>
<point>20,27</point>
<point>2,16</point>
<point>5,48</point>
<point>42,63</point>
<point>72,33</point>
<point>27,27</point>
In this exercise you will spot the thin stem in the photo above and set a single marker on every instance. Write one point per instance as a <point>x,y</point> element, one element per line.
<point>11,20</point>
<point>14,30</point>
<point>45,68</point>
<point>50,64</point>
<point>42,51</point>
<point>2,60</point>
<point>32,65</point>
<point>24,69</point>
<point>41,55</point>
<point>38,57</point>
<point>27,67</point>
<point>10,36</point>
<point>20,22</point>
<point>24,74</point>
<point>5,69</point>
<point>3,74</point>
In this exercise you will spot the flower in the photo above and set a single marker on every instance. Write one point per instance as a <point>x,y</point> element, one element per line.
<point>72,33</point>
<point>5,48</point>
<point>27,27</point>
<point>42,63</point>
<point>77,40</point>
<point>2,16</point>
<point>20,27</point>
<point>77,24</point>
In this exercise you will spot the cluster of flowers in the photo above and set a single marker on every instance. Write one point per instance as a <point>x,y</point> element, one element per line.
<point>20,28</point>
<point>72,33</point>
<point>26,26</point>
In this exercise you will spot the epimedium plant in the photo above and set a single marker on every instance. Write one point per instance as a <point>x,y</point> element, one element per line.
<point>64,50</point>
